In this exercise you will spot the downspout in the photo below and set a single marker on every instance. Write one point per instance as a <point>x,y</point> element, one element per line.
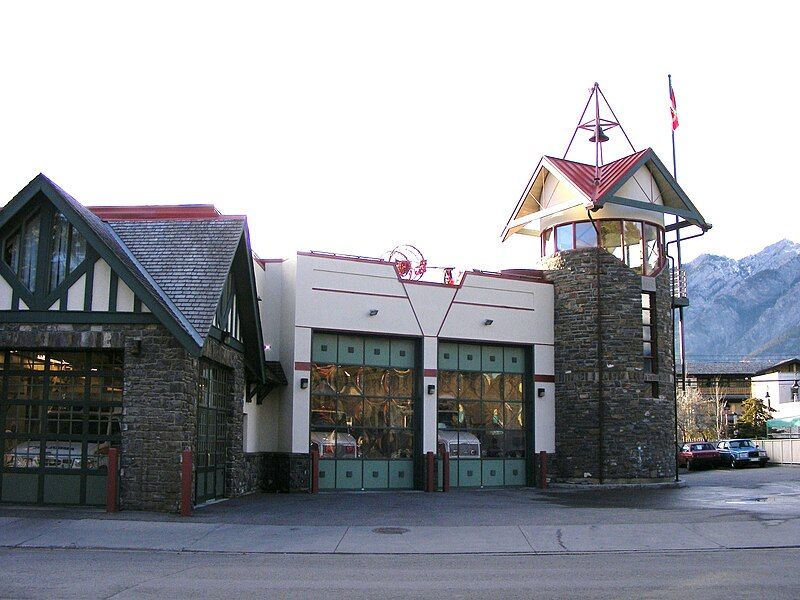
<point>674,372</point>
<point>600,399</point>
<point>683,357</point>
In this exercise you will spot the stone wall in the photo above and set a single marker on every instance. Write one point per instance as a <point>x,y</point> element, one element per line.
<point>159,405</point>
<point>624,433</point>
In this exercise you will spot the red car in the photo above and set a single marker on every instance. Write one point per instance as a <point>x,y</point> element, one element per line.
<point>695,454</point>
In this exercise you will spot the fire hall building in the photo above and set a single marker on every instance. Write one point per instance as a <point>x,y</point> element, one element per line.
<point>155,329</point>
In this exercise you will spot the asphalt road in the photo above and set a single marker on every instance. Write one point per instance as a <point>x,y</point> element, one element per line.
<point>120,575</point>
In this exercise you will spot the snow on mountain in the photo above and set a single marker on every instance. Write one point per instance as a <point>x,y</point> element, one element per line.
<point>744,308</point>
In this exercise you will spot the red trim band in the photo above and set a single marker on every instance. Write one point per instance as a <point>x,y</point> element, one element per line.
<point>302,366</point>
<point>544,378</point>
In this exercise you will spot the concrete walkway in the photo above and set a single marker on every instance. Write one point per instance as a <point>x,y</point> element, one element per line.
<point>122,534</point>
<point>715,510</point>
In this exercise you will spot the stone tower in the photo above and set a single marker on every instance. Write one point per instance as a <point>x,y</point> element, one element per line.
<point>602,232</point>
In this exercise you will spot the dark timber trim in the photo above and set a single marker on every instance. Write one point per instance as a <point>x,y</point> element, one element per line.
<point>112,292</point>
<point>74,316</point>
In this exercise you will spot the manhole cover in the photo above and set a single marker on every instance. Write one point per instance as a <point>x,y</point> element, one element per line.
<point>390,530</point>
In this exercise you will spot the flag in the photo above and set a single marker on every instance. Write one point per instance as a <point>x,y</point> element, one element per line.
<point>673,109</point>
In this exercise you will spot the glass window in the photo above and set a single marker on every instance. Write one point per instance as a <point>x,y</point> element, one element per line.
<point>564,240</point>
<point>29,253</point>
<point>611,237</point>
<point>651,249</point>
<point>323,411</point>
<point>60,252</point>
<point>585,235</point>
<point>492,386</point>
<point>633,245</point>
<point>11,251</point>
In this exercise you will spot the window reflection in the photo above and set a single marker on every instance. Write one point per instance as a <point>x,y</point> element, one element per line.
<point>636,243</point>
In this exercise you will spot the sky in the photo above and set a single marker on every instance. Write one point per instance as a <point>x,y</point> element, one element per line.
<point>354,127</point>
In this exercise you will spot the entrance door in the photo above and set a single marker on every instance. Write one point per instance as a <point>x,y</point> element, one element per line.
<point>212,404</point>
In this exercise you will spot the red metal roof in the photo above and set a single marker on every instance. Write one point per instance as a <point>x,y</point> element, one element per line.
<point>180,212</point>
<point>582,175</point>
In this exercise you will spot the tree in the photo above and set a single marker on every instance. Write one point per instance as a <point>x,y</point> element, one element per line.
<point>696,416</point>
<point>753,422</point>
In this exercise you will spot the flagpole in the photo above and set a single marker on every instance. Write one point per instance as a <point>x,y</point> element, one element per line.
<point>678,247</point>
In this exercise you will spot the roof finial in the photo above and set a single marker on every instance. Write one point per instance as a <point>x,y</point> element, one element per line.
<point>598,126</point>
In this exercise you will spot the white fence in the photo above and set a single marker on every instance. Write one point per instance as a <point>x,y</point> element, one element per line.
<point>785,452</point>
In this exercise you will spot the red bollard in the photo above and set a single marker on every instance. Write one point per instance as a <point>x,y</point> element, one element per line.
<point>429,481</point>
<point>314,471</point>
<point>111,480</point>
<point>543,469</point>
<point>445,471</point>
<point>186,483</point>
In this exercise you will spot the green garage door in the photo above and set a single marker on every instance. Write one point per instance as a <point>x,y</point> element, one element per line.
<point>61,411</point>
<point>482,416</point>
<point>362,411</point>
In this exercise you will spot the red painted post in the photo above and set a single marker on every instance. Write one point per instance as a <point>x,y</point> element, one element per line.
<point>186,483</point>
<point>429,481</point>
<point>314,471</point>
<point>543,469</point>
<point>445,471</point>
<point>111,481</point>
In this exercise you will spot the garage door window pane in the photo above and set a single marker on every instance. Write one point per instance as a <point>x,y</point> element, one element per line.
<point>375,381</point>
<point>21,453</point>
<point>469,385</point>
<point>323,379</point>
<point>323,411</point>
<point>23,418</point>
<point>376,412</point>
<point>492,386</point>
<point>401,383</point>
<point>512,386</point>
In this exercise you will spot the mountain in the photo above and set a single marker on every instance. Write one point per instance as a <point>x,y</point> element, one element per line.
<point>744,308</point>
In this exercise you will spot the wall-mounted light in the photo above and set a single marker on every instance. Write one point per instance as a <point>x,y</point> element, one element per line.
<point>373,312</point>
<point>766,397</point>
<point>795,391</point>
<point>540,392</point>
<point>431,389</point>
<point>488,321</point>
<point>303,383</point>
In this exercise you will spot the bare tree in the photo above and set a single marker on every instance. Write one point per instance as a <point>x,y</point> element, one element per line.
<point>718,398</point>
<point>696,416</point>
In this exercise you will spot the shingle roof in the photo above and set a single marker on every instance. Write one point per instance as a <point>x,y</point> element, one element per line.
<point>189,260</point>
<point>739,367</point>
<point>118,248</point>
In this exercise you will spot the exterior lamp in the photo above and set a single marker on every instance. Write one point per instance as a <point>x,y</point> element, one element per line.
<point>303,383</point>
<point>766,397</point>
<point>795,391</point>
<point>431,389</point>
<point>488,321</point>
<point>373,312</point>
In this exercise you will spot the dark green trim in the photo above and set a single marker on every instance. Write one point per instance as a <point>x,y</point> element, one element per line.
<point>74,316</point>
<point>113,288</point>
<point>137,304</point>
<point>694,217</point>
<point>219,335</point>
<point>14,300</point>
<point>88,289</point>
<point>62,302</point>
<point>43,258</point>
<point>690,212</point>
<point>11,279</point>
<point>529,406</point>
<point>63,288</point>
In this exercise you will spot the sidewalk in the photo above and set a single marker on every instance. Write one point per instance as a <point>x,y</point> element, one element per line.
<point>121,534</point>
<point>716,510</point>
